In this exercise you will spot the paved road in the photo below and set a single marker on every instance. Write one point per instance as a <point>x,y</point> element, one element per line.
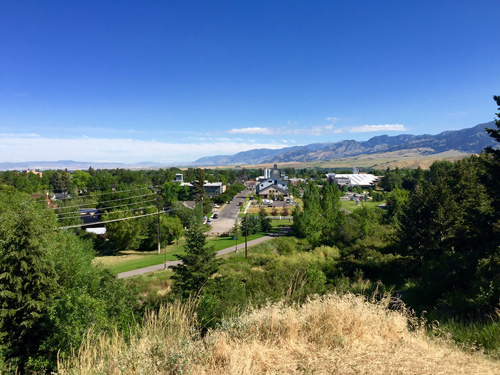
<point>241,247</point>
<point>227,216</point>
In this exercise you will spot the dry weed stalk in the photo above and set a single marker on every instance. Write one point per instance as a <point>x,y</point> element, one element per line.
<point>326,335</point>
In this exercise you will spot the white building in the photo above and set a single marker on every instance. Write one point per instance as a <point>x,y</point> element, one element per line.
<point>355,179</point>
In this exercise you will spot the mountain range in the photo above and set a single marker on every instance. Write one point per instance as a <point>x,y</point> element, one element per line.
<point>469,140</point>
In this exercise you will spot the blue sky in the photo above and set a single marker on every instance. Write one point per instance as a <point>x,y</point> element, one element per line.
<point>172,81</point>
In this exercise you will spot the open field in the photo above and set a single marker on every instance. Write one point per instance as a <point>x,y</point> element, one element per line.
<point>401,159</point>
<point>351,205</point>
<point>129,260</point>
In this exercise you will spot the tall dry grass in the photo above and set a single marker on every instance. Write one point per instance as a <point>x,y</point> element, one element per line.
<point>326,335</point>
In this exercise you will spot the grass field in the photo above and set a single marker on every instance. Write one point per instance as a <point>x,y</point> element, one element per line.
<point>401,159</point>
<point>131,260</point>
<point>351,205</point>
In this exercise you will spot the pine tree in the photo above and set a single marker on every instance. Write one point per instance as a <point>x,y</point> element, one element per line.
<point>199,186</point>
<point>495,133</point>
<point>27,277</point>
<point>198,265</point>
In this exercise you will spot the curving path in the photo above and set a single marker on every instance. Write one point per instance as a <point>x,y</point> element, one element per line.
<point>240,247</point>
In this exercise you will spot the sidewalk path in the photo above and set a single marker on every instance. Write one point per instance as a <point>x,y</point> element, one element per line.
<point>241,247</point>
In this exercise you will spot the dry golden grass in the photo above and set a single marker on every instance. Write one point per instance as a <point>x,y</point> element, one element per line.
<point>401,159</point>
<point>328,335</point>
<point>269,210</point>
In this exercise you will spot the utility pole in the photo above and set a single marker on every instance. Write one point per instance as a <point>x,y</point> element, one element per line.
<point>246,234</point>
<point>159,196</point>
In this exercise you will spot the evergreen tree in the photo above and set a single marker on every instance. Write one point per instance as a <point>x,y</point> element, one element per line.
<point>495,133</point>
<point>198,265</point>
<point>447,228</point>
<point>27,277</point>
<point>265,222</point>
<point>199,186</point>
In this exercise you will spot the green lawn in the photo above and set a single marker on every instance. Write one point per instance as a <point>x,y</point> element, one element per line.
<point>281,223</point>
<point>132,260</point>
<point>351,205</point>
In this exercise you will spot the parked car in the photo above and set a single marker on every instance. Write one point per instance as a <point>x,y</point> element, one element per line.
<point>209,222</point>
<point>215,216</point>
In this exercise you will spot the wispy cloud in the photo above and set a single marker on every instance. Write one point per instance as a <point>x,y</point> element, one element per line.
<point>377,128</point>
<point>253,130</point>
<point>315,130</point>
<point>320,129</point>
<point>24,135</point>
<point>22,147</point>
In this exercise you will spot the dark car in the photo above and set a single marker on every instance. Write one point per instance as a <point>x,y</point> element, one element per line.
<point>215,216</point>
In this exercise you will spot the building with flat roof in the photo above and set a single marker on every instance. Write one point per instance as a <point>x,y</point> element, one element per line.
<point>355,179</point>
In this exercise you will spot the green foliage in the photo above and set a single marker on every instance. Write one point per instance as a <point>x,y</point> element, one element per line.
<point>170,192</point>
<point>198,264</point>
<point>321,216</point>
<point>51,294</point>
<point>61,180</point>
<point>307,223</point>
<point>251,224</point>
<point>171,230</point>
<point>495,133</point>
<point>25,182</point>
<point>396,202</point>
<point>448,229</point>
<point>80,179</point>
<point>88,296</point>
<point>27,277</point>
<point>198,186</point>
<point>124,234</point>
<point>478,335</point>
<point>265,222</point>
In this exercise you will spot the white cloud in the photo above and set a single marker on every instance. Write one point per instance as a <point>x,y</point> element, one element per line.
<point>315,130</point>
<point>377,128</point>
<point>332,119</point>
<point>252,130</point>
<point>24,135</point>
<point>25,148</point>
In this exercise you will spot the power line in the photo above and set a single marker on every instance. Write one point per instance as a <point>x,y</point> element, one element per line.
<point>105,208</point>
<point>110,192</point>
<point>105,213</point>
<point>112,200</point>
<point>110,221</point>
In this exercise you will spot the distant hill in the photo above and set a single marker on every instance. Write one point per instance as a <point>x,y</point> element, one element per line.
<point>470,140</point>
<point>68,164</point>
<point>256,156</point>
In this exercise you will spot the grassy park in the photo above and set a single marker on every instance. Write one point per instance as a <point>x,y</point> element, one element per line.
<point>351,205</point>
<point>128,260</point>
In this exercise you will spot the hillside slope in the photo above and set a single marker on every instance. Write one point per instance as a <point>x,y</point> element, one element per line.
<point>470,140</point>
<point>327,335</point>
